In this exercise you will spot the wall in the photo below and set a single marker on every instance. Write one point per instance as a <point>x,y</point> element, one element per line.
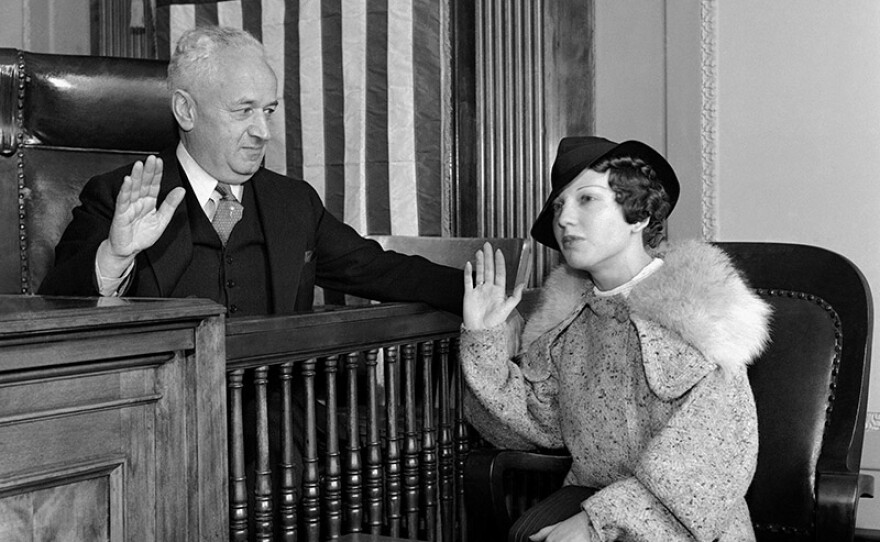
<point>799,140</point>
<point>46,26</point>
<point>770,112</point>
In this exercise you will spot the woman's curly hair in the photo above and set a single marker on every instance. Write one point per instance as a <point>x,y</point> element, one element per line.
<point>638,190</point>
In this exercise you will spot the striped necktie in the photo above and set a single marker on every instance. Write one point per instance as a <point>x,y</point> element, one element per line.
<point>228,212</point>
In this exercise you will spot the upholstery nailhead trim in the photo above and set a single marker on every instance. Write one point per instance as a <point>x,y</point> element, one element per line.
<point>835,368</point>
<point>23,191</point>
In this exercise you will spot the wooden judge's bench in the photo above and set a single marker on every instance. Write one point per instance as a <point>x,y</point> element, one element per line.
<point>112,417</point>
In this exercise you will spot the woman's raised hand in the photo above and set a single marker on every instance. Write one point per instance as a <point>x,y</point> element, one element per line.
<point>486,303</point>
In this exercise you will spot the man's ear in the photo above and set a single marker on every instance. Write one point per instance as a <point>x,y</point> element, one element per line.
<point>184,108</point>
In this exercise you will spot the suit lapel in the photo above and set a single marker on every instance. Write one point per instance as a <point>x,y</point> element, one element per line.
<point>283,241</point>
<point>171,254</point>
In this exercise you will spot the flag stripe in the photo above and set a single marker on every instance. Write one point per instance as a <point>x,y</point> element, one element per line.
<point>312,93</point>
<point>183,18</point>
<point>378,209</point>
<point>401,151</point>
<point>252,18</point>
<point>206,14</point>
<point>229,13</point>
<point>273,41</point>
<point>291,96</point>
<point>427,123</point>
<point>334,126</point>
<point>164,45</point>
<point>354,38</point>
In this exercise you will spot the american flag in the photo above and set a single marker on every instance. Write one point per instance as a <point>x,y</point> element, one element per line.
<point>361,115</point>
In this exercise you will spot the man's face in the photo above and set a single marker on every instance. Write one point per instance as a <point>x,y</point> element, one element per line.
<point>230,127</point>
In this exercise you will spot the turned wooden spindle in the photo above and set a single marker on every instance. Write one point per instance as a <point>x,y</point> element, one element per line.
<point>263,471</point>
<point>311,482</point>
<point>353,494</point>
<point>238,500</point>
<point>429,443</point>
<point>287,499</point>
<point>332,463</point>
<point>374,448</point>
<point>410,443</point>
<point>393,461</point>
<point>445,445</point>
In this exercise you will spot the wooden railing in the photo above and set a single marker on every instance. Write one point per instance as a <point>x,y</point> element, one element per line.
<point>346,420</point>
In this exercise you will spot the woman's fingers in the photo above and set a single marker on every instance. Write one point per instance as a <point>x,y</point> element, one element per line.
<point>500,269</point>
<point>488,264</point>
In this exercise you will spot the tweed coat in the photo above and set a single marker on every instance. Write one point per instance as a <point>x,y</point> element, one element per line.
<point>647,391</point>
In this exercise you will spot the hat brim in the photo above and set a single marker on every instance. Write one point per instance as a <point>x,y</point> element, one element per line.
<point>542,229</point>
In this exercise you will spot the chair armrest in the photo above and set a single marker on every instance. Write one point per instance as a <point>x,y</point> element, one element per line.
<point>498,482</point>
<point>837,500</point>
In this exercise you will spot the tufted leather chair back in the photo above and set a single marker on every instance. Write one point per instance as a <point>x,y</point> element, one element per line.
<point>811,388</point>
<point>64,119</point>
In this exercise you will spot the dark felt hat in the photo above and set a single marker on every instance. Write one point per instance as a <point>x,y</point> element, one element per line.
<point>575,154</point>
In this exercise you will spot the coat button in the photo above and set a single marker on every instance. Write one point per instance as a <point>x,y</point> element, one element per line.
<point>230,284</point>
<point>233,309</point>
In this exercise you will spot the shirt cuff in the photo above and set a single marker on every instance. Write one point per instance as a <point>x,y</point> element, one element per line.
<point>110,286</point>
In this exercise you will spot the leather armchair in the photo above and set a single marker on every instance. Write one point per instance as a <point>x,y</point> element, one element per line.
<point>811,389</point>
<point>63,119</point>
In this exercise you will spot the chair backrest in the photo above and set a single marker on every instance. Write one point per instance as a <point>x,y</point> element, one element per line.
<point>451,251</point>
<point>455,251</point>
<point>64,119</point>
<point>811,385</point>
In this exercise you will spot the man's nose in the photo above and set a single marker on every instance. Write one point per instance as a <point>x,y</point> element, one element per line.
<point>259,128</point>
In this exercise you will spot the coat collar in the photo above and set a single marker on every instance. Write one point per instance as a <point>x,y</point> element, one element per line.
<point>171,254</point>
<point>697,298</point>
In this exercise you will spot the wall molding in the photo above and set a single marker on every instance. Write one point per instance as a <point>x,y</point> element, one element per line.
<point>709,118</point>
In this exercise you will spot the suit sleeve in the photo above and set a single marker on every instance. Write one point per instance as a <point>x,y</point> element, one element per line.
<point>73,272</point>
<point>350,263</point>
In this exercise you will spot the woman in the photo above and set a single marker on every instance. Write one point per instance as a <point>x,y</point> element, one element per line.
<point>633,362</point>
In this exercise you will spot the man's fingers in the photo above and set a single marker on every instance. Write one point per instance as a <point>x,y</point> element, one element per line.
<point>153,169</point>
<point>172,200</point>
<point>468,277</point>
<point>123,199</point>
<point>137,176</point>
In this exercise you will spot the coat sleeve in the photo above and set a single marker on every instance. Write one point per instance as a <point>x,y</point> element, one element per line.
<point>505,405</point>
<point>691,479</point>
<point>73,272</point>
<point>349,263</point>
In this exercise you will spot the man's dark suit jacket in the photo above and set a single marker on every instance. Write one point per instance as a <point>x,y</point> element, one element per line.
<point>305,245</point>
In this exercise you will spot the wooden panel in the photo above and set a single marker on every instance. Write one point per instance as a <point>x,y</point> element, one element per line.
<point>112,421</point>
<point>73,511</point>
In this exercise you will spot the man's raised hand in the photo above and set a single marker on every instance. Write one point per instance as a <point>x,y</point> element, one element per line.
<point>137,223</point>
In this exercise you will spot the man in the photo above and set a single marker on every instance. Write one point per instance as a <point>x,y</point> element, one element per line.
<point>146,230</point>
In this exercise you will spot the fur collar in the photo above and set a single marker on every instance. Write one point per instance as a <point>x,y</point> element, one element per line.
<point>697,294</point>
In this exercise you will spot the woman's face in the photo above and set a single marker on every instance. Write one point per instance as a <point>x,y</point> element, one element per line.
<point>590,228</point>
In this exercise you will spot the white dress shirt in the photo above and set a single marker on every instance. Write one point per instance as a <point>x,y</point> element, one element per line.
<point>202,184</point>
